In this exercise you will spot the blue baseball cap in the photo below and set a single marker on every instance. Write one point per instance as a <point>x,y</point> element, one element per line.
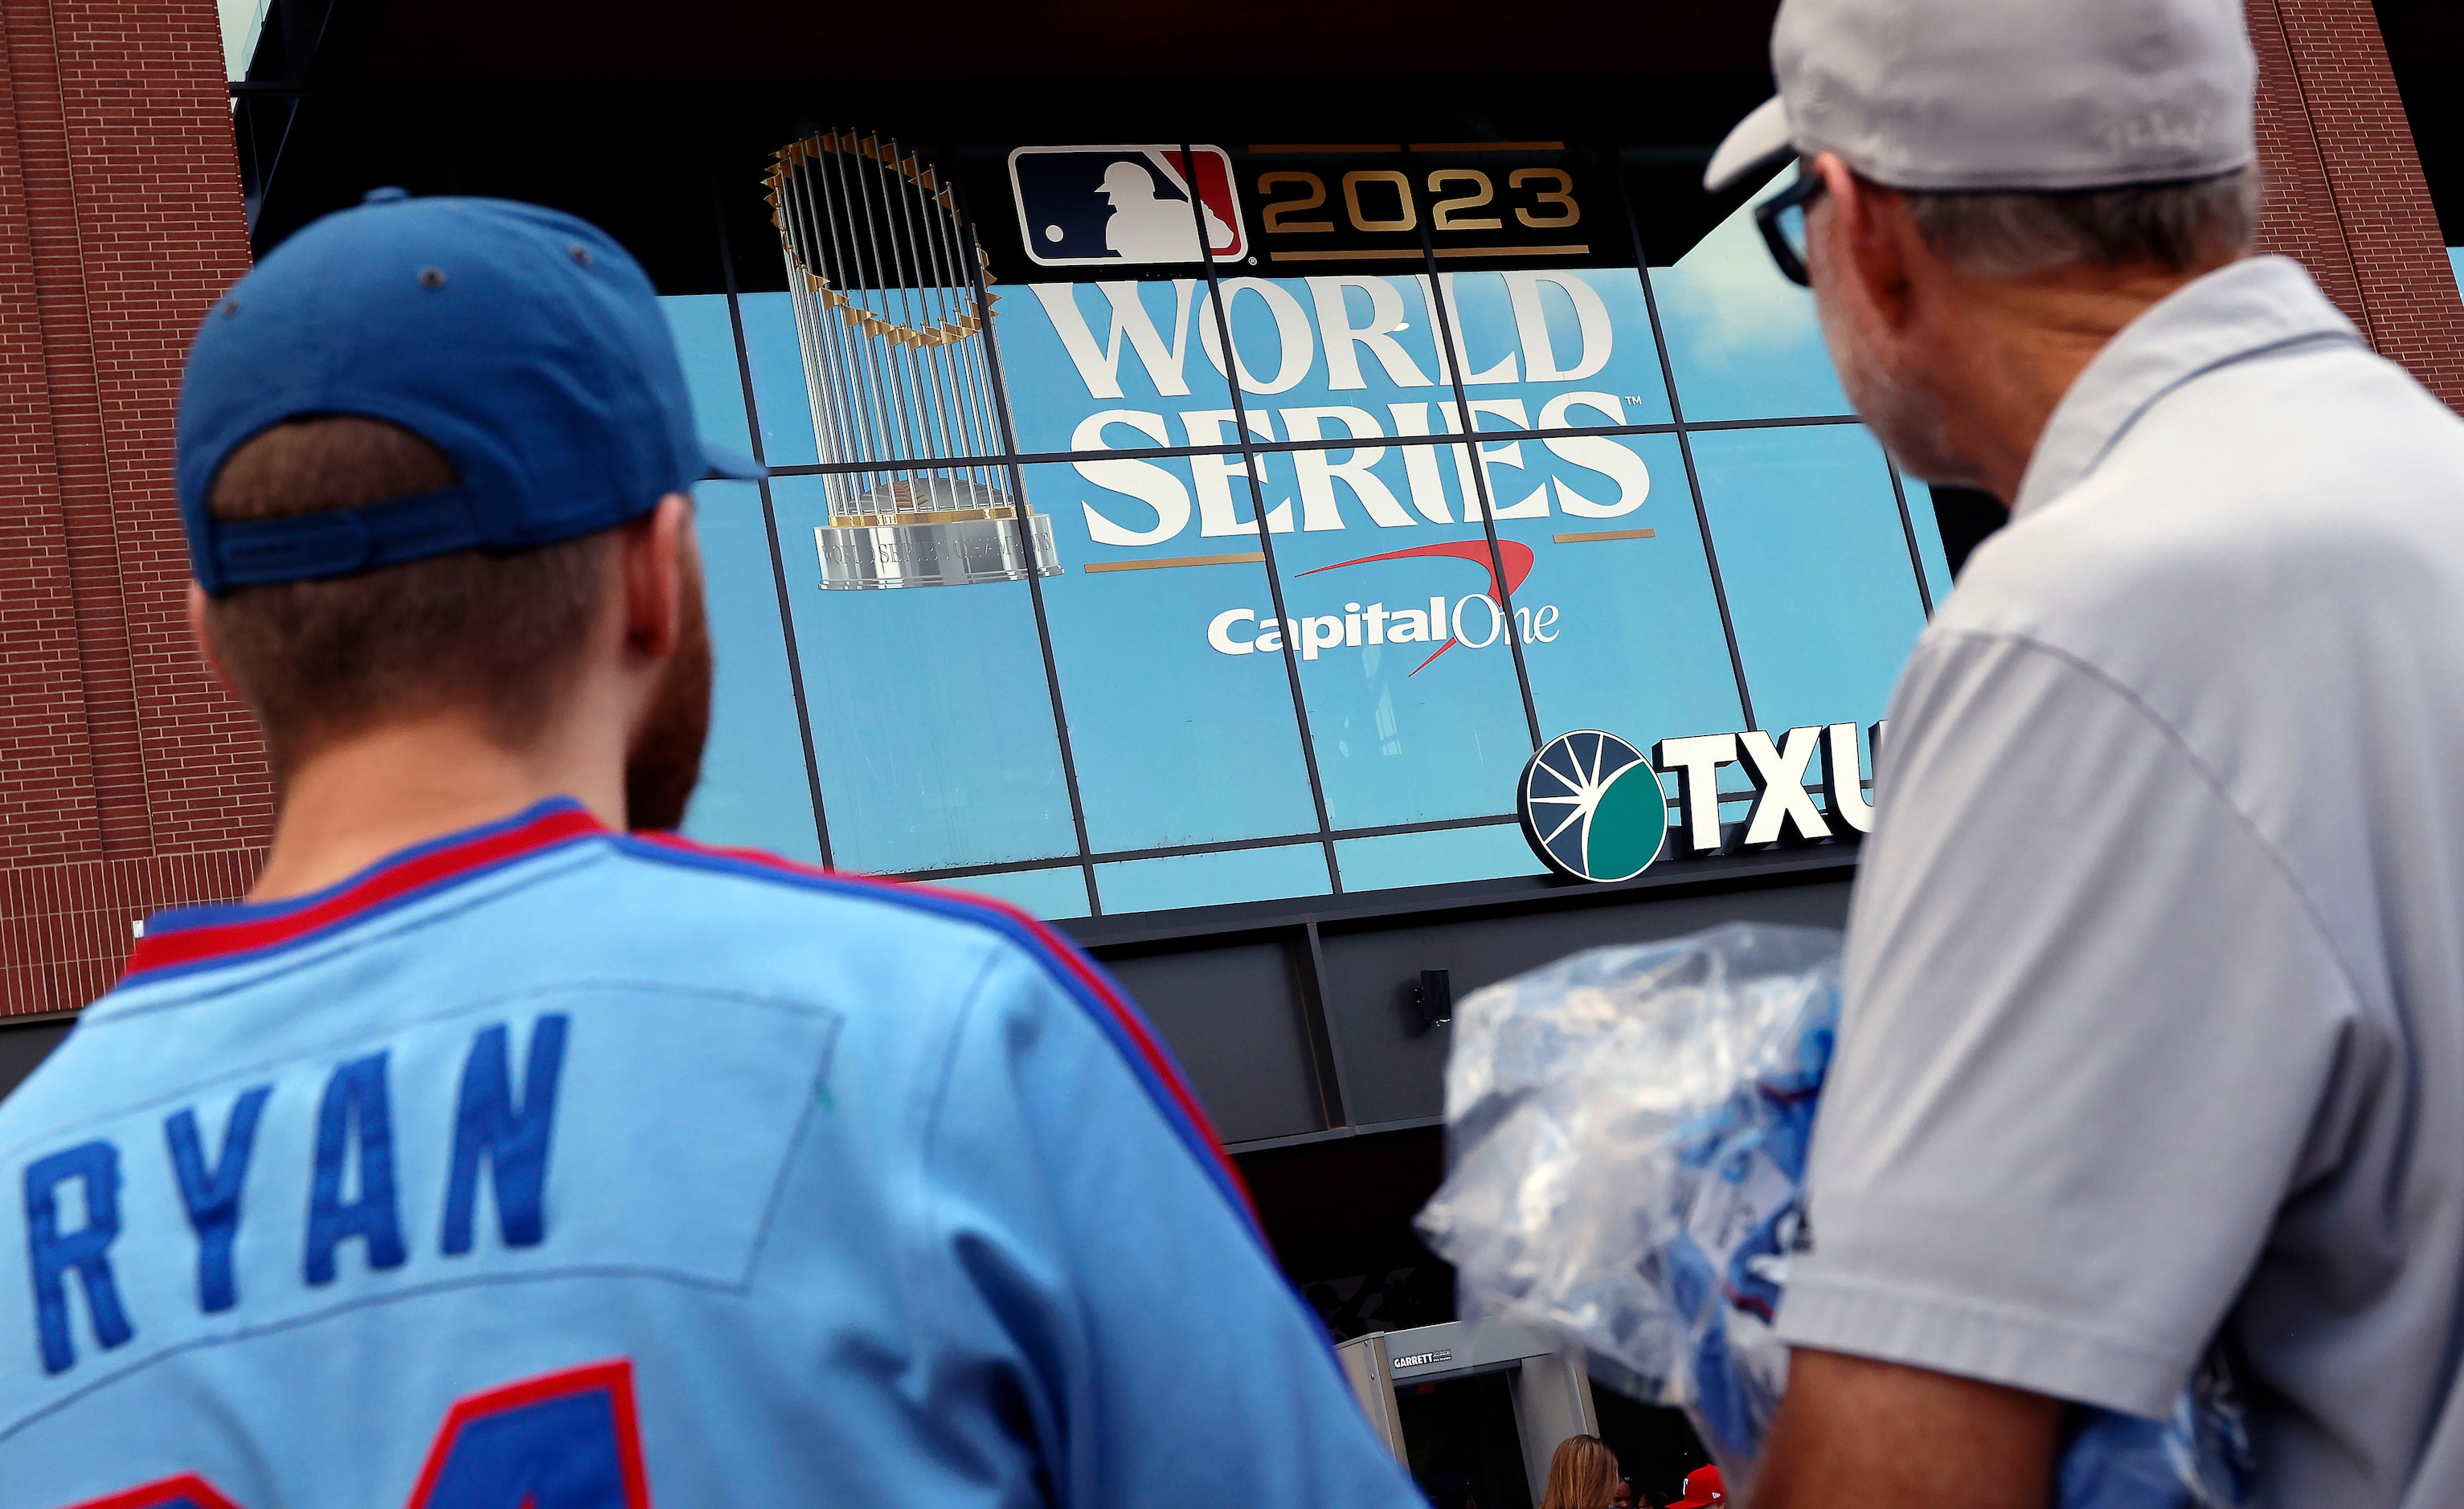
<point>522,342</point>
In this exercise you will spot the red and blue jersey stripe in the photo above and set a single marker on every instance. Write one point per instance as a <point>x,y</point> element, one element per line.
<point>205,937</point>
<point>1080,977</point>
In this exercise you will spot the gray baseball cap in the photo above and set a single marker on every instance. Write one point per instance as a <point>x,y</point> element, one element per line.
<point>1982,95</point>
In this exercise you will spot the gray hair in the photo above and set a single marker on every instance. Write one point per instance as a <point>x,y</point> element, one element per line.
<point>2177,227</point>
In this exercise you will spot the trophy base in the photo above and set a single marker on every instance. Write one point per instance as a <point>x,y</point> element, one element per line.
<point>942,551</point>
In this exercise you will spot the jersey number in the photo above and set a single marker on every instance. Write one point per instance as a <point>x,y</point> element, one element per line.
<point>569,1440</point>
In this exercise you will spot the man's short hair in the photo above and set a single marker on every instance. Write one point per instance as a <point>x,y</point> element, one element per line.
<point>498,634</point>
<point>2177,228</point>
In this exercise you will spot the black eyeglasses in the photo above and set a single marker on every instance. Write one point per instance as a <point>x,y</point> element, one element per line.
<point>1781,218</point>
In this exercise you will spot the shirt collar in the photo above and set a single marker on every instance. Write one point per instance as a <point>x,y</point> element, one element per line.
<point>2241,309</point>
<point>197,936</point>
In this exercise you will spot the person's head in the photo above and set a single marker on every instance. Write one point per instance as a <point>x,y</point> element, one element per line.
<point>1127,184</point>
<point>1974,175</point>
<point>432,462</point>
<point>1623,1496</point>
<point>1704,1486</point>
<point>1907,283</point>
<point>1582,1475</point>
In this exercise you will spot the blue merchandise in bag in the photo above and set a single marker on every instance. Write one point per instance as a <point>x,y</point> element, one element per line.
<point>1627,1133</point>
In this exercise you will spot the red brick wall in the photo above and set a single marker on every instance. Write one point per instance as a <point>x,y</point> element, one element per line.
<point>2346,193</point>
<point>127,782</point>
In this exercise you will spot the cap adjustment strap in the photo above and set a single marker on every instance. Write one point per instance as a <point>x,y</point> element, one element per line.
<point>340,542</point>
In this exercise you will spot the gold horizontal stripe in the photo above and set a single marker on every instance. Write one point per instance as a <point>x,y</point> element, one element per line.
<point>1447,252</point>
<point>1242,558</point>
<point>1342,256</point>
<point>1328,146</point>
<point>1587,536</point>
<point>1488,146</point>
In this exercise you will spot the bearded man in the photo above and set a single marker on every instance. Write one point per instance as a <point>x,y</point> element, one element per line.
<point>500,1149</point>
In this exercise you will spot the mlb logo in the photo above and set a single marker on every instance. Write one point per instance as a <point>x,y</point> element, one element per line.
<point>1123,205</point>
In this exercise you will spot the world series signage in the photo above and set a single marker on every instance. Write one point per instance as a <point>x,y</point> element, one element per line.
<point>1477,203</point>
<point>1592,807</point>
<point>1374,431</point>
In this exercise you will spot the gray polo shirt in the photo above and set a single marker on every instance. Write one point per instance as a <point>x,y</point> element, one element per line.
<point>2155,978</point>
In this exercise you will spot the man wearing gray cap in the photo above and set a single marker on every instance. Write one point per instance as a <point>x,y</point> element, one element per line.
<point>2154,1036</point>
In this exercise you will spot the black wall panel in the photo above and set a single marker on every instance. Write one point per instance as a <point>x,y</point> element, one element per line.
<point>1234,1015</point>
<point>1298,1019</point>
<point>23,1045</point>
<point>1394,1068</point>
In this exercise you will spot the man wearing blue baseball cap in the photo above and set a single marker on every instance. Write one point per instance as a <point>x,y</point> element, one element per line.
<point>498,1152</point>
<point>2152,1047</point>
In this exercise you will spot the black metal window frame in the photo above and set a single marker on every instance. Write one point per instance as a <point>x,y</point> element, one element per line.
<point>1012,460</point>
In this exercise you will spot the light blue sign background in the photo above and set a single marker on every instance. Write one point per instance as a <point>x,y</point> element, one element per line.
<point>933,736</point>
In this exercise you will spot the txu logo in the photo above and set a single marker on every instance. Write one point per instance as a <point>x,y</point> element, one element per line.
<point>1591,806</point>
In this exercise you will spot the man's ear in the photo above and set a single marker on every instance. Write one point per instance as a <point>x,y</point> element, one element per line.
<point>653,552</point>
<point>199,631</point>
<point>1864,238</point>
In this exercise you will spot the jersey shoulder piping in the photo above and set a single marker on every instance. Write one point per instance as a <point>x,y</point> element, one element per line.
<point>1120,1022</point>
<point>195,938</point>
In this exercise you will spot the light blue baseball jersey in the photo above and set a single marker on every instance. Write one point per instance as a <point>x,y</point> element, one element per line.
<point>549,1168</point>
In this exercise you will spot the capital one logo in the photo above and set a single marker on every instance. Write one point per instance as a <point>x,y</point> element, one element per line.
<point>1475,621</point>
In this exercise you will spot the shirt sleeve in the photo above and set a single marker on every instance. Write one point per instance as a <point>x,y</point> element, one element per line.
<point>2092,1039</point>
<point>1106,1271</point>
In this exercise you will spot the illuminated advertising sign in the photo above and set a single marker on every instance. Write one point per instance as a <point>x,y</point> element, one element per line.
<point>1266,574</point>
<point>1123,205</point>
<point>1593,807</point>
<point>1123,366</point>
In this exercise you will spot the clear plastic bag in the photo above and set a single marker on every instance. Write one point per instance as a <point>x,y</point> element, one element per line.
<point>1626,1139</point>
